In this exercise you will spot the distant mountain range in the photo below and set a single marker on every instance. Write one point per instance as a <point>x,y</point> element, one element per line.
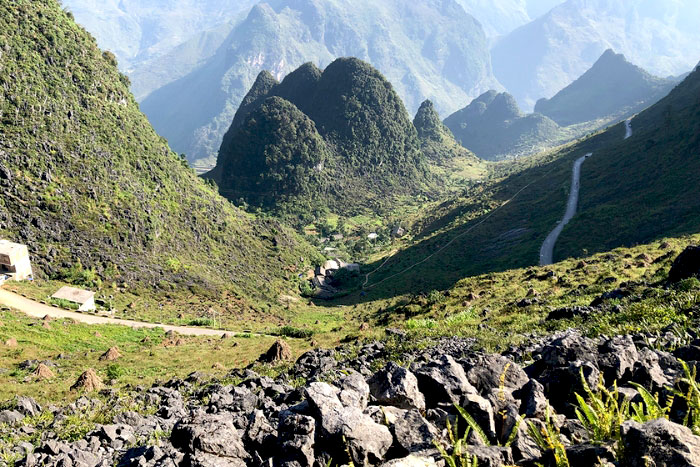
<point>493,126</point>
<point>431,49</point>
<point>543,57</point>
<point>499,17</point>
<point>158,42</point>
<point>138,30</point>
<point>612,88</point>
<point>193,62</point>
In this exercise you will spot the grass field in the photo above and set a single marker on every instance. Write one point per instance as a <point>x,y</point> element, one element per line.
<point>484,307</point>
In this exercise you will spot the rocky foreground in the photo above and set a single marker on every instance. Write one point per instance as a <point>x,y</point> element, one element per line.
<point>343,412</point>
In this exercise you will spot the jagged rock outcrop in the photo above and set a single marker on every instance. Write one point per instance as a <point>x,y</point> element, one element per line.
<point>380,417</point>
<point>686,265</point>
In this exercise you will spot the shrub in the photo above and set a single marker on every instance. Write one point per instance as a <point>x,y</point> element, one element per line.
<point>306,289</point>
<point>435,297</point>
<point>65,304</point>
<point>115,371</point>
<point>74,427</point>
<point>206,322</point>
<point>686,285</point>
<point>290,331</point>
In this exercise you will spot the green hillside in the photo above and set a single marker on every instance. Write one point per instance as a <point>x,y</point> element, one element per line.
<point>99,197</point>
<point>275,160</point>
<point>647,186</point>
<point>632,191</point>
<point>612,88</point>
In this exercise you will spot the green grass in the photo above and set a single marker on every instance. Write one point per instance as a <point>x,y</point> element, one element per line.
<point>485,307</point>
<point>147,355</point>
<point>87,169</point>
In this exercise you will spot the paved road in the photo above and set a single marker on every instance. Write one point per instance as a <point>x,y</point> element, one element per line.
<point>39,310</point>
<point>628,128</point>
<point>547,250</point>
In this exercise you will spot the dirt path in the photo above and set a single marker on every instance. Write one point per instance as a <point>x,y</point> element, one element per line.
<point>38,310</point>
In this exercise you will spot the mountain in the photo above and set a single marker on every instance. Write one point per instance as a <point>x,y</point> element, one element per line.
<point>493,127</point>
<point>612,88</point>
<point>500,17</point>
<point>340,139</point>
<point>645,187</point>
<point>430,49</point>
<point>543,57</point>
<point>445,156</point>
<point>155,71</point>
<point>139,32</point>
<point>537,8</point>
<point>96,194</point>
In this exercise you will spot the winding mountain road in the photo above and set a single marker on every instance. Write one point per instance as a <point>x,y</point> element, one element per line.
<point>547,250</point>
<point>38,310</point>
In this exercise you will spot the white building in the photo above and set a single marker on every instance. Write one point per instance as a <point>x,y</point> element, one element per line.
<point>14,261</point>
<point>83,298</point>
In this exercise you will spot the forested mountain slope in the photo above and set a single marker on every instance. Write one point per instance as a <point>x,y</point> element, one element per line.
<point>493,127</point>
<point>340,139</point>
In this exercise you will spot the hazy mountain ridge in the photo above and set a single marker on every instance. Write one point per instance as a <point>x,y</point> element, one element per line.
<point>612,88</point>
<point>136,30</point>
<point>544,56</point>
<point>493,127</point>
<point>430,50</point>
<point>503,16</point>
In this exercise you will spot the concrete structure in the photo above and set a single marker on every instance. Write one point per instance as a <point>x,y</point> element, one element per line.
<point>14,261</point>
<point>84,298</point>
